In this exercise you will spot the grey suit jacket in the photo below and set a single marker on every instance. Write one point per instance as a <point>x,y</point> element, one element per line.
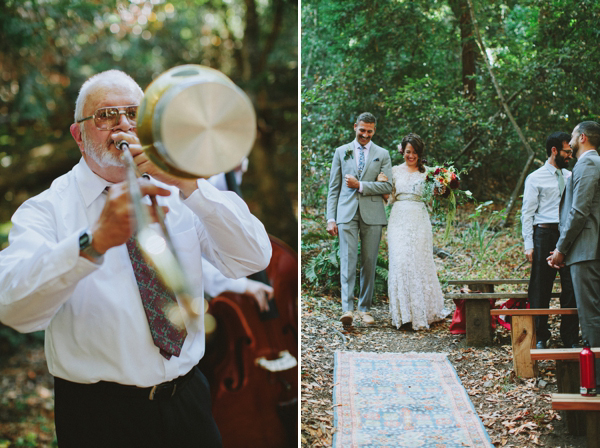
<point>580,212</point>
<point>342,201</point>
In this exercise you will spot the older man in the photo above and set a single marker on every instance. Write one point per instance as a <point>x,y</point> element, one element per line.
<point>124,374</point>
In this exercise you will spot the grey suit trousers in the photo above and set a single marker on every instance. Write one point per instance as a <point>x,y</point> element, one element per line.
<point>586,283</point>
<point>370,236</point>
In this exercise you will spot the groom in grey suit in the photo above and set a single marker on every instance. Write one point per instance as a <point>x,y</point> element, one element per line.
<point>579,244</point>
<point>355,207</point>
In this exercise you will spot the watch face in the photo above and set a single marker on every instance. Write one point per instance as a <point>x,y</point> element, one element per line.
<point>84,240</point>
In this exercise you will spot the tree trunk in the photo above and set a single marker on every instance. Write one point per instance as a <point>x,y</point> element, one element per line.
<point>460,8</point>
<point>530,153</point>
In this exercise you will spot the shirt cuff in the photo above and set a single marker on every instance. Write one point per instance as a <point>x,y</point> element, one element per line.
<point>360,187</point>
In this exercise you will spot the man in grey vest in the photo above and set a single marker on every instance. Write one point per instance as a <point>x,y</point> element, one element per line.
<point>355,206</point>
<point>578,245</point>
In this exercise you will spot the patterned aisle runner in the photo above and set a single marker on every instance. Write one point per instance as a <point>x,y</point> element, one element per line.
<point>402,400</point>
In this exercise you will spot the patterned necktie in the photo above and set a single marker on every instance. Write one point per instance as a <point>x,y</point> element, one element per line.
<point>561,181</point>
<point>155,296</point>
<point>361,160</point>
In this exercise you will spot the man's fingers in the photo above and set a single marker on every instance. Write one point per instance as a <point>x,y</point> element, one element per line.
<point>150,189</point>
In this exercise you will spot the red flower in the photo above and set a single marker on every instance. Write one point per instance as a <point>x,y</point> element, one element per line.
<point>454,183</point>
<point>437,171</point>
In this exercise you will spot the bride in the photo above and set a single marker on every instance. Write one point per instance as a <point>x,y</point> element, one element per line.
<point>413,287</point>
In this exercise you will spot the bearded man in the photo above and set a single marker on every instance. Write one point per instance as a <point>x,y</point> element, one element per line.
<point>539,217</point>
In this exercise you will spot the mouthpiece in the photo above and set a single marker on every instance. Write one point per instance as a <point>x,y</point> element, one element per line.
<point>122,145</point>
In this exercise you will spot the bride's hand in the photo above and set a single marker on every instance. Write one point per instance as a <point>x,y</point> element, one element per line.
<point>381,177</point>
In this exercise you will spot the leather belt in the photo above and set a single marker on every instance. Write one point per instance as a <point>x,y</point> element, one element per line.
<point>548,226</point>
<point>162,391</point>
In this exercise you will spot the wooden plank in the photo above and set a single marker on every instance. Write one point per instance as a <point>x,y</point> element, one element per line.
<point>532,311</point>
<point>523,340</point>
<point>493,281</point>
<point>575,402</point>
<point>492,295</point>
<point>560,354</point>
<point>477,323</point>
<point>567,382</point>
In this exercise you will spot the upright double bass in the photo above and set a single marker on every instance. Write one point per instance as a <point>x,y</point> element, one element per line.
<point>251,359</point>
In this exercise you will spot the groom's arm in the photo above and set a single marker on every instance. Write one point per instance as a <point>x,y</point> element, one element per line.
<point>335,183</point>
<point>585,181</point>
<point>379,188</point>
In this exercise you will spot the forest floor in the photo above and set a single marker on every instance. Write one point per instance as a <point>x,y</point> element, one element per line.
<point>516,412</point>
<point>26,399</point>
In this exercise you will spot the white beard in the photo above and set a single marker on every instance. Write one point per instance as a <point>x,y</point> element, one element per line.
<point>100,154</point>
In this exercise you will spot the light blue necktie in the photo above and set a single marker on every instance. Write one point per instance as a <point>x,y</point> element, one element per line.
<point>561,181</point>
<point>361,161</point>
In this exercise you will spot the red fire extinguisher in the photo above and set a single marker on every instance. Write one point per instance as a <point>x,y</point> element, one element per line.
<point>587,370</point>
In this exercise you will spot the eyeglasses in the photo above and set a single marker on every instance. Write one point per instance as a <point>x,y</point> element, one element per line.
<point>567,151</point>
<point>108,117</point>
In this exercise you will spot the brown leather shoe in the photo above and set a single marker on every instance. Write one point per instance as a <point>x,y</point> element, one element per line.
<point>366,317</point>
<point>346,318</point>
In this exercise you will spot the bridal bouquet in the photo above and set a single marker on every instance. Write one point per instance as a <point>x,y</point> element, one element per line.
<point>441,182</point>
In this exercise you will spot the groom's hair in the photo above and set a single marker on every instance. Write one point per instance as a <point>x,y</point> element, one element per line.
<point>591,129</point>
<point>556,140</point>
<point>366,117</point>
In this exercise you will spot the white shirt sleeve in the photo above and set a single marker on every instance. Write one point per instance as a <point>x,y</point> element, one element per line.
<point>224,223</point>
<point>530,205</point>
<point>37,273</point>
<point>216,283</point>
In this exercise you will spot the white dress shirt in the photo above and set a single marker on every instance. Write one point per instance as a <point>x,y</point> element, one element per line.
<point>357,147</point>
<point>541,199</point>
<point>215,283</point>
<point>96,328</point>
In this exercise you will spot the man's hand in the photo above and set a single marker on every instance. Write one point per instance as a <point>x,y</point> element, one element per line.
<point>529,255</point>
<point>556,260</point>
<point>116,223</point>
<point>381,177</point>
<point>332,228</point>
<point>262,293</point>
<point>145,166</point>
<point>352,182</point>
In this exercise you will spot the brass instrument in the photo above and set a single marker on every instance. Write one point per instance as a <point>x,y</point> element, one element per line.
<point>193,122</point>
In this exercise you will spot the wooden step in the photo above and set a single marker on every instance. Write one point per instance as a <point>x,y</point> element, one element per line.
<point>560,354</point>
<point>575,402</point>
<point>531,311</point>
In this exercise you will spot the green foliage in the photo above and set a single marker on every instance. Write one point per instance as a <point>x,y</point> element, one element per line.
<point>405,66</point>
<point>322,268</point>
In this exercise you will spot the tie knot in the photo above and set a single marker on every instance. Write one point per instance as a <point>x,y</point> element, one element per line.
<point>559,172</point>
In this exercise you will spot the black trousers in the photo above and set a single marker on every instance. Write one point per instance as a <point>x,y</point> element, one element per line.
<point>101,416</point>
<point>540,288</point>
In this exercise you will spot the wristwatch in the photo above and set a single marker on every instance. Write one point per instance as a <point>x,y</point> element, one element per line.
<point>85,245</point>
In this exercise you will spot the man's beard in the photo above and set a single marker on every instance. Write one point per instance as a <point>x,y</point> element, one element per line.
<point>100,154</point>
<point>561,162</point>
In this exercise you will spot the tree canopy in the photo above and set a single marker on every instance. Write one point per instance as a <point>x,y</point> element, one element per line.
<point>48,48</point>
<point>417,67</point>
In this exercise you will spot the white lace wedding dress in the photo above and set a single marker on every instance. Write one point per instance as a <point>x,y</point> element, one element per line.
<point>413,287</point>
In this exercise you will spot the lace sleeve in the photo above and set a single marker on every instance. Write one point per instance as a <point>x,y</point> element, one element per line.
<point>392,197</point>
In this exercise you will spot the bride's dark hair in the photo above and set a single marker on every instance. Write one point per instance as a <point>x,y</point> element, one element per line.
<point>419,147</point>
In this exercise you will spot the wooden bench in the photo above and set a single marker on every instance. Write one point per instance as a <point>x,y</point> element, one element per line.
<point>567,380</point>
<point>477,305</point>
<point>522,334</point>
<point>591,406</point>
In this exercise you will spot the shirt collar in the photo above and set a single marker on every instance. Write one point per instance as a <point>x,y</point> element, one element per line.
<point>550,167</point>
<point>90,184</point>
<point>586,153</point>
<point>358,145</point>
